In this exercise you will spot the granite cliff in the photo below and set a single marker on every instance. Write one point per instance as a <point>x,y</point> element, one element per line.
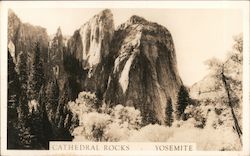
<point>90,45</point>
<point>145,69</point>
<point>134,65</point>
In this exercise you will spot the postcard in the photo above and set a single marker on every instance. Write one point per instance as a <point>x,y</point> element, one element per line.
<point>125,78</point>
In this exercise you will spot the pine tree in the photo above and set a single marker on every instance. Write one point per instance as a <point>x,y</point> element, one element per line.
<point>36,74</point>
<point>169,113</point>
<point>46,133</point>
<point>52,93</point>
<point>13,89</point>
<point>22,69</point>
<point>23,109</point>
<point>182,101</point>
<point>13,98</point>
<point>65,97</point>
<point>52,98</point>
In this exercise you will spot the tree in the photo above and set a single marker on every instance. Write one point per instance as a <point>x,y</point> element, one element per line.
<point>34,120</point>
<point>24,139</point>
<point>38,69</point>
<point>169,113</point>
<point>22,69</point>
<point>13,98</point>
<point>150,118</point>
<point>52,98</point>
<point>228,77</point>
<point>182,101</point>
<point>46,125</point>
<point>36,73</point>
<point>63,114</point>
<point>13,89</point>
<point>51,104</point>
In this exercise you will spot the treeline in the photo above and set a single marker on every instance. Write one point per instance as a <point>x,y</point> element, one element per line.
<point>25,80</point>
<point>37,110</point>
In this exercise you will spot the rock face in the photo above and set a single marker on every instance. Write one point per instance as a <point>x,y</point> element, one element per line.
<point>96,36</point>
<point>22,37</point>
<point>92,40</point>
<point>145,69</point>
<point>90,45</point>
<point>204,89</point>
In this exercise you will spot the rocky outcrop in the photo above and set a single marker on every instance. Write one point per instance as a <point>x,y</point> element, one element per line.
<point>145,69</point>
<point>22,37</point>
<point>56,52</point>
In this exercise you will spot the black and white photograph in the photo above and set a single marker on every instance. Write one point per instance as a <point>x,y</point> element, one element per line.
<point>109,74</point>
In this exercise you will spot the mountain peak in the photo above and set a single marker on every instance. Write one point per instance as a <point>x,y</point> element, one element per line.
<point>11,13</point>
<point>95,36</point>
<point>106,11</point>
<point>137,20</point>
<point>104,14</point>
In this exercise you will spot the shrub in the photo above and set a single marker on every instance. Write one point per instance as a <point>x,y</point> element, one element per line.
<point>106,124</point>
<point>152,133</point>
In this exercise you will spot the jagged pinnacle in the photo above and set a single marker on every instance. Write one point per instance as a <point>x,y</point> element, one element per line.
<point>58,32</point>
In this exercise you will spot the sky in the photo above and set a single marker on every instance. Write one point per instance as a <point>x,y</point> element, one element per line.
<point>198,34</point>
